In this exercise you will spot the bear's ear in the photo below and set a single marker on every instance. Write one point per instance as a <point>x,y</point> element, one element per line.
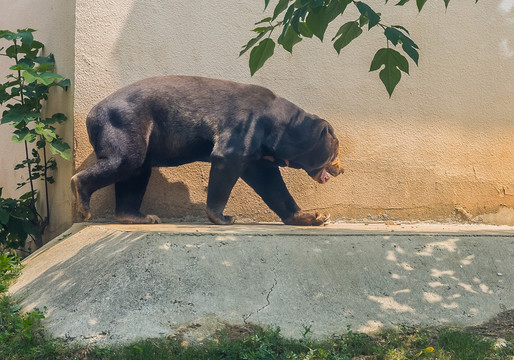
<point>316,132</point>
<point>324,133</point>
<point>300,137</point>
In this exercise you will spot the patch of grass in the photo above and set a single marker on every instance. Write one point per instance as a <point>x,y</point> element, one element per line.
<point>261,344</point>
<point>267,343</point>
<point>458,343</point>
<point>21,334</point>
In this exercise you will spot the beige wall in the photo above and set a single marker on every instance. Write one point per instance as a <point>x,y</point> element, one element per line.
<point>443,141</point>
<point>54,21</point>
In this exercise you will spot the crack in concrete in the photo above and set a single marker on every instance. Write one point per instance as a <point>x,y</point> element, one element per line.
<point>275,282</point>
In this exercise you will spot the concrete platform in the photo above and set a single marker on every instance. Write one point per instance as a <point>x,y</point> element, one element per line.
<point>105,283</point>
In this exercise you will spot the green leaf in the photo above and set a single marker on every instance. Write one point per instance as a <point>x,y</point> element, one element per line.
<point>12,51</point>
<point>287,17</point>
<point>22,66</point>
<point>43,60</point>
<point>262,29</point>
<point>15,308</point>
<point>363,20</point>
<point>4,216</point>
<point>19,114</point>
<point>23,134</point>
<point>287,20</point>
<point>393,62</point>
<point>56,118</point>
<point>45,67</point>
<point>319,18</point>
<point>260,54</point>
<point>402,2</point>
<point>29,76</point>
<point>281,6</point>
<point>265,20</point>
<point>64,84</point>
<point>396,36</point>
<point>251,43</point>
<point>446,2</point>
<point>27,196</point>
<point>8,35</point>
<point>368,12</point>
<point>348,32</point>
<point>45,78</point>
<point>317,22</point>
<point>290,39</point>
<point>299,15</point>
<point>401,28</point>
<point>420,4</point>
<point>36,45</point>
<point>61,148</point>
<point>266,3</point>
<point>336,8</point>
<point>48,133</point>
<point>26,37</point>
<point>304,30</point>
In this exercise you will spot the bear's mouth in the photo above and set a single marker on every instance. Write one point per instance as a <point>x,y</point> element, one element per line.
<point>334,169</point>
<point>321,176</point>
<point>324,177</point>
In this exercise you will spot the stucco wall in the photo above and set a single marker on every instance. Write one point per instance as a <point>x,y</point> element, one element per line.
<point>444,140</point>
<point>54,21</point>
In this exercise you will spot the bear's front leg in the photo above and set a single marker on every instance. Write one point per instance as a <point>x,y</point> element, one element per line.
<point>267,181</point>
<point>222,178</point>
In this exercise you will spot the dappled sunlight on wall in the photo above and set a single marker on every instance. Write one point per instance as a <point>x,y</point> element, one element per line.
<point>506,7</point>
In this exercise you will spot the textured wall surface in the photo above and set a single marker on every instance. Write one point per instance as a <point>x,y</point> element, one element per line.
<point>54,21</point>
<point>444,140</point>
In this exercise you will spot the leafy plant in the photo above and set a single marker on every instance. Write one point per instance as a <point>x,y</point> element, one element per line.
<point>307,18</point>
<point>16,221</point>
<point>15,327</point>
<point>24,94</point>
<point>10,268</point>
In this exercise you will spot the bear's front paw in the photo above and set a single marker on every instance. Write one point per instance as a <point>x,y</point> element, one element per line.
<point>219,219</point>
<point>308,219</point>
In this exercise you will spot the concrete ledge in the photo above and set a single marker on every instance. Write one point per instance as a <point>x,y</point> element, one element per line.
<point>106,283</point>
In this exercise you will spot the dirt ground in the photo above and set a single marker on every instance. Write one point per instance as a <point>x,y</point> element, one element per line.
<point>501,326</point>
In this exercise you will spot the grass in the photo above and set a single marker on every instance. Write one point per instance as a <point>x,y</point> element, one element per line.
<point>253,342</point>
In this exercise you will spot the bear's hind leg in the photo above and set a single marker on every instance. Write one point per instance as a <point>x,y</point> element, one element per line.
<point>129,196</point>
<point>102,173</point>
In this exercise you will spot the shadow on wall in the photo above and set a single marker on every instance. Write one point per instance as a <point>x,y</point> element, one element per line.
<point>171,199</point>
<point>127,285</point>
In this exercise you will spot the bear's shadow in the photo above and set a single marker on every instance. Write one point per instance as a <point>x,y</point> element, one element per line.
<point>168,200</point>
